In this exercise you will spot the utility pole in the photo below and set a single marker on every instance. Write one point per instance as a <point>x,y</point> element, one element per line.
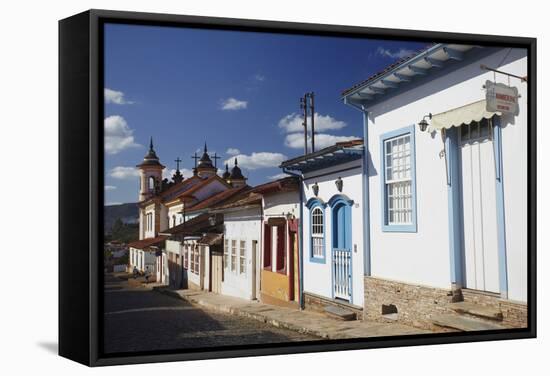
<point>303,106</point>
<point>312,112</point>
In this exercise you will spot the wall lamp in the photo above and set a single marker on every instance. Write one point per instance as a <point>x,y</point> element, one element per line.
<point>423,124</point>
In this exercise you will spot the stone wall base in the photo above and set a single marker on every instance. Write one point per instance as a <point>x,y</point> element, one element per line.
<point>392,301</point>
<point>387,300</point>
<point>514,314</point>
<point>317,303</point>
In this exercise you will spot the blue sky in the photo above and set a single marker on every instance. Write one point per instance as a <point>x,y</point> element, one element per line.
<point>238,91</point>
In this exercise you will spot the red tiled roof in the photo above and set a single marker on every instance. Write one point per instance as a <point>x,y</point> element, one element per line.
<point>216,199</point>
<point>289,183</point>
<point>183,183</point>
<point>248,198</point>
<point>204,183</point>
<point>195,226</point>
<point>149,242</point>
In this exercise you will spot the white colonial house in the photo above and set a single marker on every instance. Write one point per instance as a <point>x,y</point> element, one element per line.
<point>445,182</point>
<point>242,220</point>
<point>332,226</point>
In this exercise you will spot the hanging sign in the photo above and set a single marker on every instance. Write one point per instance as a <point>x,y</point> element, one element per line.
<point>502,98</point>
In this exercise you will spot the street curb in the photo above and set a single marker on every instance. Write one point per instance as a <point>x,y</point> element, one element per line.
<point>243,313</point>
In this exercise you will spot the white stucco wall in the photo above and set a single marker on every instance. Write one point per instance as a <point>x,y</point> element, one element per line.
<point>194,278</point>
<point>175,210</point>
<point>240,225</point>
<point>423,257</point>
<point>280,203</point>
<point>149,233</point>
<point>317,277</point>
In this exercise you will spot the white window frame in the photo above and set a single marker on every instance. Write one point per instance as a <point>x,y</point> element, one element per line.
<point>242,257</point>
<point>233,255</point>
<point>398,181</point>
<point>226,253</point>
<point>317,238</point>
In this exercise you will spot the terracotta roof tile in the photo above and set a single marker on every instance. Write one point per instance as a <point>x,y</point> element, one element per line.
<point>149,242</point>
<point>216,199</point>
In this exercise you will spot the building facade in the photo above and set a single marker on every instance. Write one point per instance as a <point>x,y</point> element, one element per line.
<point>446,185</point>
<point>332,226</point>
<point>279,275</point>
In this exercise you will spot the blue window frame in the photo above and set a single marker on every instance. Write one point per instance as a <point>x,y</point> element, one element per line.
<point>317,230</point>
<point>398,180</point>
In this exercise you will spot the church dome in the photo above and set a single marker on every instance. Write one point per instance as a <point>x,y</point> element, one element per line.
<point>226,175</point>
<point>151,158</point>
<point>205,162</point>
<point>236,173</point>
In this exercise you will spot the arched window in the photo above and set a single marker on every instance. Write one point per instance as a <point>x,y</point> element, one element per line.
<point>316,229</point>
<point>151,183</point>
<point>317,233</point>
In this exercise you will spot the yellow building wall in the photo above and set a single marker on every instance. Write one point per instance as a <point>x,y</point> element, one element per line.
<point>275,285</point>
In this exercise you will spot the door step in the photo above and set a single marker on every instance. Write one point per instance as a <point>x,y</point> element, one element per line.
<point>339,313</point>
<point>463,323</point>
<point>477,310</point>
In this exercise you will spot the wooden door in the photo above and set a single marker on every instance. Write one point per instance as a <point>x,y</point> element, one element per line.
<point>217,269</point>
<point>480,245</point>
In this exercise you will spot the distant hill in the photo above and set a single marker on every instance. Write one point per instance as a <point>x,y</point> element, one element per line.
<point>128,214</point>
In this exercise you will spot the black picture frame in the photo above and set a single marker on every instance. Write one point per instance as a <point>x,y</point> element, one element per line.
<point>81,177</point>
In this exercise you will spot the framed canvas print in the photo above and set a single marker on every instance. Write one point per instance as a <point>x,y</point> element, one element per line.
<point>238,187</point>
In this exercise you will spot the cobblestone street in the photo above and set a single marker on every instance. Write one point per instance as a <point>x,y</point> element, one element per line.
<point>138,319</point>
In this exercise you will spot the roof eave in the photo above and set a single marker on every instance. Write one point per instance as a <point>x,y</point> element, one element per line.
<point>383,84</point>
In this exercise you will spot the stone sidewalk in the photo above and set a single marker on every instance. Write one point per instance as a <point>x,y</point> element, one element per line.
<point>301,321</point>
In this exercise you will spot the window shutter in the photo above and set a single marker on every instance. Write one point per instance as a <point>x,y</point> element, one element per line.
<point>267,246</point>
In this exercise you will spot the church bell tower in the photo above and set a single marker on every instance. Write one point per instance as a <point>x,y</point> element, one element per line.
<point>150,174</point>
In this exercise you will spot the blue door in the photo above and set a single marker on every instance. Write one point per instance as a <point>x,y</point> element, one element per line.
<point>341,251</point>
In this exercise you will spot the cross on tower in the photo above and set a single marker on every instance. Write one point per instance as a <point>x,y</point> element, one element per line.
<point>178,161</point>
<point>195,157</point>
<point>215,158</point>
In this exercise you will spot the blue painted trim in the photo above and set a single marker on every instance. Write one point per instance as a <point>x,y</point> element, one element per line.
<point>341,201</point>
<point>350,242</point>
<point>366,196</point>
<point>339,198</point>
<point>313,203</point>
<point>384,137</point>
<point>412,82</point>
<point>454,209</point>
<point>501,222</point>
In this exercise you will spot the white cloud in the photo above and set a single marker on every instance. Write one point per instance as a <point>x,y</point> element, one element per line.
<point>293,123</point>
<point>113,203</point>
<point>167,174</point>
<point>110,187</point>
<point>233,104</point>
<point>232,151</point>
<point>322,140</point>
<point>118,135</point>
<point>116,97</point>
<point>278,176</point>
<point>258,160</point>
<point>394,54</point>
<point>259,77</point>
<point>123,172</point>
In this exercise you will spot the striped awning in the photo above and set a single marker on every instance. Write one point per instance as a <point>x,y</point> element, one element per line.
<point>462,115</point>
